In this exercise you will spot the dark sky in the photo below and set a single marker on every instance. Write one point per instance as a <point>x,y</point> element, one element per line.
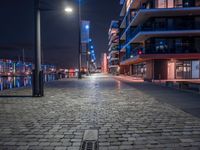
<point>59,30</point>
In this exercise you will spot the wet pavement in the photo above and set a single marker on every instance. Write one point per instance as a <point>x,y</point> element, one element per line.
<point>126,116</point>
<point>187,101</point>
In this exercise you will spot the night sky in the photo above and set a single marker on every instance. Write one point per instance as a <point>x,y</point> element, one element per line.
<point>59,30</point>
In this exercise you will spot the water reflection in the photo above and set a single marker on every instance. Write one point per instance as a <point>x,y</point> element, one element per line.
<point>9,82</point>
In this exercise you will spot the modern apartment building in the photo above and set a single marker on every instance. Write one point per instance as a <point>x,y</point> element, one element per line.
<point>160,39</point>
<point>113,56</point>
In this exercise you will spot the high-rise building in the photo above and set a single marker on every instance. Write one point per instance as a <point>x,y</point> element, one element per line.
<point>113,56</point>
<point>160,39</point>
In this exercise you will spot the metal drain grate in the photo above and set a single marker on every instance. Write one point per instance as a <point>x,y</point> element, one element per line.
<point>90,140</point>
<point>89,145</point>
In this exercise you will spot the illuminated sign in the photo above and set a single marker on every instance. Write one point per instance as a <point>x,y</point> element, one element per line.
<point>85,31</point>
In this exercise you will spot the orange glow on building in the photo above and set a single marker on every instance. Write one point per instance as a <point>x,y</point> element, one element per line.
<point>104,63</point>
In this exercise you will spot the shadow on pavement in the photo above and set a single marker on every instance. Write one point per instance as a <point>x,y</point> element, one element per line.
<point>15,96</point>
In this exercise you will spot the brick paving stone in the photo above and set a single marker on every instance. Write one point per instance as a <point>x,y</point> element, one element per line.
<point>60,148</point>
<point>125,117</point>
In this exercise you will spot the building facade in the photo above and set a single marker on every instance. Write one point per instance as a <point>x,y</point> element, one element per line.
<point>104,63</point>
<point>160,39</point>
<point>113,56</point>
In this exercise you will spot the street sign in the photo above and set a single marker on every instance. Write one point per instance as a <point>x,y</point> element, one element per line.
<point>85,31</point>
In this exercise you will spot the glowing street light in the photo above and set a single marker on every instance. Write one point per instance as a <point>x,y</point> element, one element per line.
<point>68,9</point>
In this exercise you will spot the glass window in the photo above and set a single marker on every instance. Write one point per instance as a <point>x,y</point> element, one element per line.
<point>160,23</point>
<point>197,3</point>
<point>178,45</point>
<point>187,69</point>
<point>162,3</point>
<point>179,70</point>
<point>188,3</point>
<point>165,3</point>
<point>170,3</point>
<point>178,3</point>
<point>183,69</point>
<point>161,46</point>
<point>195,69</point>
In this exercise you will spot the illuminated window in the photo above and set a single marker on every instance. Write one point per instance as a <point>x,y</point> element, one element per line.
<point>162,3</point>
<point>170,3</point>
<point>178,3</point>
<point>197,3</point>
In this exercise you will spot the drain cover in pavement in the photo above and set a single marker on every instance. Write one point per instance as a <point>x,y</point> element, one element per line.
<point>90,140</point>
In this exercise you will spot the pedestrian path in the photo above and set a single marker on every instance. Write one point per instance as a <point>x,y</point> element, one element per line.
<point>187,101</point>
<point>124,116</point>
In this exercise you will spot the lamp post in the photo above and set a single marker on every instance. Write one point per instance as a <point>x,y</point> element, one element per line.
<point>69,10</point>
<point>37,72</point>
<point>79,39</point>
<point>38,89</point>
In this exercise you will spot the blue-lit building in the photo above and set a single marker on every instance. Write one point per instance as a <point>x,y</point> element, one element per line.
<point>17,73</point>
<point>159,39</point>
<point>113,56</point>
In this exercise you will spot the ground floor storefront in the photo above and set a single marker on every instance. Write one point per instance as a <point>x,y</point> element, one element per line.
<point>168,69</point>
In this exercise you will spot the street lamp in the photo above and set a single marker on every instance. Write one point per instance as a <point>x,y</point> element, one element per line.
<point>38,89</point>
<point>68,10</point>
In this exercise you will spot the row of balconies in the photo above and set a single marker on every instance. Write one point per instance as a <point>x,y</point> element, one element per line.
<point>155,4</point>
<point>134,30</point>
<point>137,51</point>
<point>144,14</point>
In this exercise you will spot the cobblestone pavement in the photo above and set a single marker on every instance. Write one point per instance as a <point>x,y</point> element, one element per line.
<point>125,118</point>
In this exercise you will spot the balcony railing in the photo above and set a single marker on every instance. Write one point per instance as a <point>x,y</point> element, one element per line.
<point>136,11</point>
<point>131,34</point>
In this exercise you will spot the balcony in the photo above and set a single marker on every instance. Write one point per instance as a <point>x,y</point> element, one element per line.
<point>116,51</point>
<point>122,47</point>
<point>146,57</point>
<point>114,39</point>
<point>123,11</point>
<point>114,59</point>
<point>113,46</point>
<point>144,14</point>
<point>141,33</point>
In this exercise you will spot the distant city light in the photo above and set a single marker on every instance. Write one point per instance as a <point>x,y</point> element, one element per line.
<point>92,47</point>
<point>87,27</point>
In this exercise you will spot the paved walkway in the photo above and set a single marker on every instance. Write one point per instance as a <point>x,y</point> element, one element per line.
<point>187,101</point>
<point>125,117</point>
